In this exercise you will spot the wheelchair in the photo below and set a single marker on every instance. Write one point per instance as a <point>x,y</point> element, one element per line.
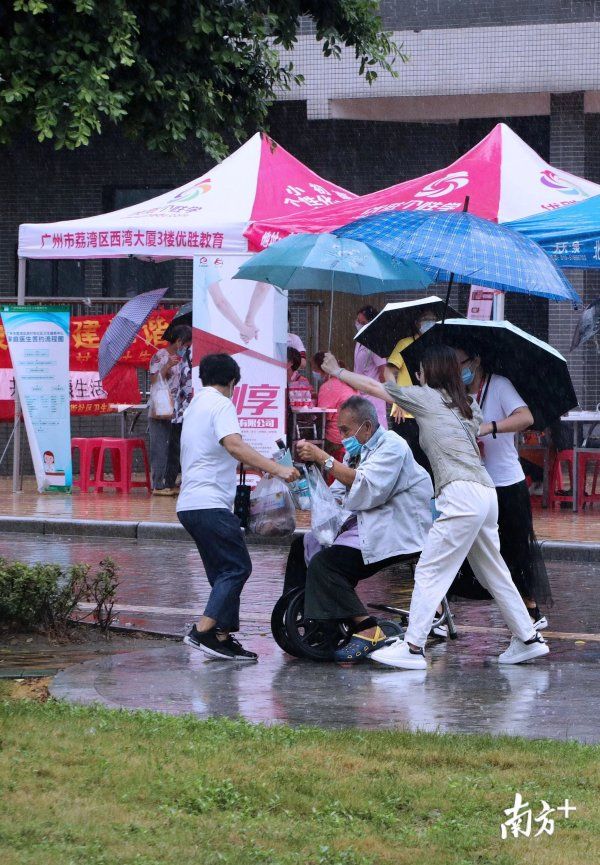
<point>318,640</point>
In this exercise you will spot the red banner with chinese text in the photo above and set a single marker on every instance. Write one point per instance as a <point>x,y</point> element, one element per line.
<point>89,395</point>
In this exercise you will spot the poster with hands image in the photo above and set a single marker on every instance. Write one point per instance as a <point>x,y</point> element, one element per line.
<point>247,320</point>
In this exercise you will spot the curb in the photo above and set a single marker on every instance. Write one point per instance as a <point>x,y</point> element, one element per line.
<point>147,531</point>
<point>142,531</point>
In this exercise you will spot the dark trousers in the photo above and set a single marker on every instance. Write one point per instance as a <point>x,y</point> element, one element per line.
<point>331,579</point>
<point>173,464</point>
<point>217,534</point>
<point>409,430</point>
<point>518,547</point>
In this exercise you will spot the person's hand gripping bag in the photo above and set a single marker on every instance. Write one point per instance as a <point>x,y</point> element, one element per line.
<point>326,514</point>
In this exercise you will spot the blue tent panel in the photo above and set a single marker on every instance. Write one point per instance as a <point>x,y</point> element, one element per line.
<point>570,235</point>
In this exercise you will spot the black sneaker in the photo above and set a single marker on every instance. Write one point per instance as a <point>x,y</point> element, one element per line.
<point>208,643</point>
<point>238,650</point>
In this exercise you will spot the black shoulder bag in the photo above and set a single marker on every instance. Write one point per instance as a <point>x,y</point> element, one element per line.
<point>241,504</point>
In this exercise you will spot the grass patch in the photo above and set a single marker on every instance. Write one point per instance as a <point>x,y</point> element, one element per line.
<point>97,787</point>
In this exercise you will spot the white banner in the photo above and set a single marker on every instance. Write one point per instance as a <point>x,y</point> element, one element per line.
<point>84,385</point>
<point>247,320</point>
<point>38,340</point>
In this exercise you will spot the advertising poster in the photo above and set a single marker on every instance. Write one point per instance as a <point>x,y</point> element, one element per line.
<point>481,303</point>
<point>247,320</point>
<point>38,341</point>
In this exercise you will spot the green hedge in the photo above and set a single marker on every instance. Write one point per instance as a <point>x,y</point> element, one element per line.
<point>44,596</point>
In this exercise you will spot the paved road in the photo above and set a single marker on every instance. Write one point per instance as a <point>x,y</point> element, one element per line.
<point>163,586</point>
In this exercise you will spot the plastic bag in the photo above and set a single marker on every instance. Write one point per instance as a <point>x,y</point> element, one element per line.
<point>272,512</point>
<point>160,402</point>
<point>327,516</point>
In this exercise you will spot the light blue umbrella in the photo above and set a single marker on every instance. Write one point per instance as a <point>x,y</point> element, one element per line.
<point>323,262</point>
<point>462,245</point>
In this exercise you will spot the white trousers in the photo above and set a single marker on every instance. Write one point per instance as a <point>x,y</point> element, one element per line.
<point>467,528</point>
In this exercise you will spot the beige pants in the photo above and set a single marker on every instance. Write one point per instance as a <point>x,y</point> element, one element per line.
<point>467,528</point>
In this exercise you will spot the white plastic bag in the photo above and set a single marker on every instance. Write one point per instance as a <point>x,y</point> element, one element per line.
<point>327,516</point>
<point>272,512</point>
<point>160,402</point>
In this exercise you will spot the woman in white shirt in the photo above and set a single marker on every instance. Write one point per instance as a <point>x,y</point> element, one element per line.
<point>504,414</point>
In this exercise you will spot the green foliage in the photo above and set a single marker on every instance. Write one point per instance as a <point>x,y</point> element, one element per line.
<point>42,596</point>
<point>166,71</point>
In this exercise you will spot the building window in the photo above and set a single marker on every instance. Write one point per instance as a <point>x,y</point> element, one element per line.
<point>126,277</point>
<point>62,278</point>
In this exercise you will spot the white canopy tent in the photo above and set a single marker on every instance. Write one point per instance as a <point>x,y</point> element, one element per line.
<point>210,214</point>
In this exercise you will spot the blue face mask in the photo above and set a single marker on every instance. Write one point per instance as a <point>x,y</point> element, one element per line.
<point>467,376</point>
<point>181,352</point>
<point>425,326</point>
<point>352,445</point>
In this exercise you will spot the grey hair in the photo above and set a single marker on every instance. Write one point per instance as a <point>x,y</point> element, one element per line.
<point>362,409</point>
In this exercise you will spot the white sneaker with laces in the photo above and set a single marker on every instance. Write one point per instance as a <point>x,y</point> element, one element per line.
<point>541,624</point>
<point>399,654</point>
<point>440,631</point>
<point>519,651</point>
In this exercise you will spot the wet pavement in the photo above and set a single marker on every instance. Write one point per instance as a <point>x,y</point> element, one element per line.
<point>465,690</point>
<point>163,589</point>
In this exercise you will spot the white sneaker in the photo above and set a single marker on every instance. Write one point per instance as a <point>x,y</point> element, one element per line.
<point>519,651</point>
<point>399,654</point>
<point>541,624</point>
<point>440,631</point>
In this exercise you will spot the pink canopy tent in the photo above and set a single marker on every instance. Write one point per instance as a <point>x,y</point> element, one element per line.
<point>258,181</point>
<point>504,178</point>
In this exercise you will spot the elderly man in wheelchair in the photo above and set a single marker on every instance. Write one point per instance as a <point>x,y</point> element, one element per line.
<point>388,496</point>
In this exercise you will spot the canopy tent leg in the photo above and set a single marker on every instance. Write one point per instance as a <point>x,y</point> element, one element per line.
<point>330,315</point>
<point>17,479</point>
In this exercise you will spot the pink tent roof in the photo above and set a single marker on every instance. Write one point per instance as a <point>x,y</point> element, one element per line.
<point>504,178</point>
<point>258,181</point>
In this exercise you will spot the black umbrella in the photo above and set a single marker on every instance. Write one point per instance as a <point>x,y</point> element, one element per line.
<point>396,321</point>
<point>182,316</point>
<point>538,371</point>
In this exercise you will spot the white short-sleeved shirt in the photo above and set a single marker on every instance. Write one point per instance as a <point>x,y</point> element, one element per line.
<point>500,455</point>
<point>208,471</point>
<point>294,341</point>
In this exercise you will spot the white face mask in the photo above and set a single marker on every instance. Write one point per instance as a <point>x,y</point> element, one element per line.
<point>358,325</point>
<point>425,326</point>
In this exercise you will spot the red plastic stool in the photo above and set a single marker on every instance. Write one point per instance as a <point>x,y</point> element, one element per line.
<point>89,450</point>
<point>556,492</point>
<point>121,452</point>
<point>586,460</point>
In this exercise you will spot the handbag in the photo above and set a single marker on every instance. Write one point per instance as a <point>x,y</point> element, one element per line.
<point>160,401</point>
<point>241,504</point>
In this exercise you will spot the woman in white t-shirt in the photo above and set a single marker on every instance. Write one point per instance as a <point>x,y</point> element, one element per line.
<point>504,414</point>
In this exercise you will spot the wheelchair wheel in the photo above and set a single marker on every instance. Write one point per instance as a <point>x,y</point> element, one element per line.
<point>310,638</point>
<point>318,640</point>
<point>278,628</point>
<point>391,628</point>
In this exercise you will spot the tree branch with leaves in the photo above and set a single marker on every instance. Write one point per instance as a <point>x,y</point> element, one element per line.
<point>166,72</point>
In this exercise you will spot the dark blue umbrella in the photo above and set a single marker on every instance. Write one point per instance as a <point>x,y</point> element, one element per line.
<point>124,327</point>
<point>462,245</point>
